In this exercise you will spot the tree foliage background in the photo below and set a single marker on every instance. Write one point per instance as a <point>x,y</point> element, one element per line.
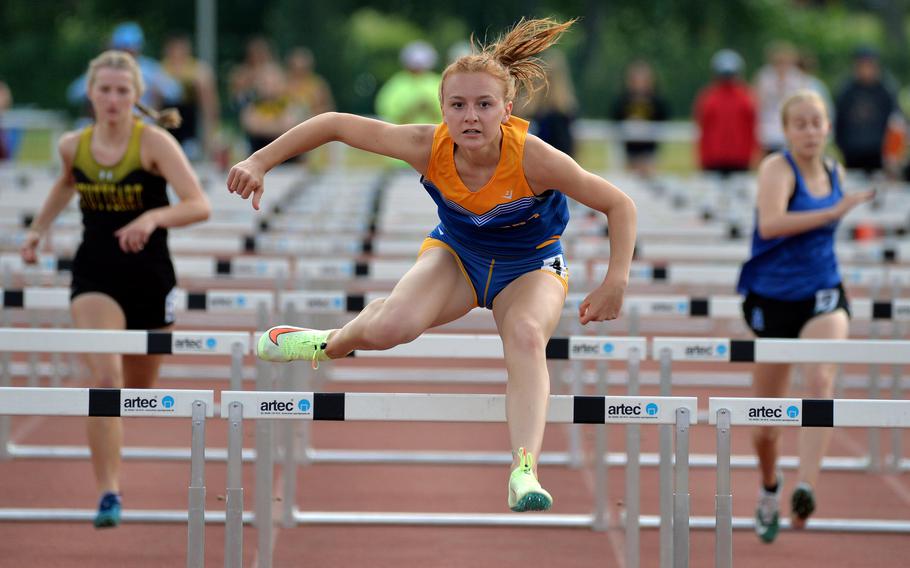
<point>44,44</point>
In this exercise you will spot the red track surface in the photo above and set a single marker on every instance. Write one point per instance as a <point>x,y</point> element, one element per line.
<point>349,487</point>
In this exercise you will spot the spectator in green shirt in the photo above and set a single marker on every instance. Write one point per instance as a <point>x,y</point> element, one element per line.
<point>411,96</point>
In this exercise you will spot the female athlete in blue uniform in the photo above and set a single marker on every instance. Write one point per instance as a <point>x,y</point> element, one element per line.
<point>123,277</point>
<point>792,288</point>
<point>501,195</point>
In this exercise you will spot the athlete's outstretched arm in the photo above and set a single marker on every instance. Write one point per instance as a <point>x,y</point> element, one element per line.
<point>548,168</point>
<point>775,187</point>
<point>61,193</point>
<point>410,143</point>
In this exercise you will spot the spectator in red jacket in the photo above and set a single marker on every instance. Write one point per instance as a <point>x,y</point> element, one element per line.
<point>725,114</point>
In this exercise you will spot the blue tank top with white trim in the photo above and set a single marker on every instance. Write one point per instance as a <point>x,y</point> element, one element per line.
<point>795,267</point>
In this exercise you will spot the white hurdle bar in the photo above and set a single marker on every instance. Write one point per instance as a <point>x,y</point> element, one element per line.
<point>723,350</point>
<point>43,340</point>
<point>195,404</point>
<point>424,407</point>
<point>727,412</point>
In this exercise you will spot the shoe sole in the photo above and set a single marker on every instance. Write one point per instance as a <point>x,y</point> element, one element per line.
<point>768,535</point>
<point>532,502</point>
<point>802,504</point>
<point>106,522</point>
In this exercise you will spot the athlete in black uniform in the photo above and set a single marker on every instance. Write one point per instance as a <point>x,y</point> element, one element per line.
<point>122,273</point>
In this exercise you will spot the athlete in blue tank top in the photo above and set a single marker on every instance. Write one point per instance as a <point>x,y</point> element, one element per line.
<point>793,289</point>
<point>795,267</point>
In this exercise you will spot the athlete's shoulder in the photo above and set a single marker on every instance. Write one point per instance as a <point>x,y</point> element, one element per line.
<point>68,144</point>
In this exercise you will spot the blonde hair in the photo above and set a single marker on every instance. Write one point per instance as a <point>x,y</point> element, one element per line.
<point>799,96</point>
<point>512,58</point>
<point>123,61</point>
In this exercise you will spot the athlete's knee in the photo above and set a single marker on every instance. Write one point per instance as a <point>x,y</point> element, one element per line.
<point>524,334</point>
<point>819,380</point>
<point>108,380</point>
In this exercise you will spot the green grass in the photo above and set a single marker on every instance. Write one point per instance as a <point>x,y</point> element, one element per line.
<point>35,147</point>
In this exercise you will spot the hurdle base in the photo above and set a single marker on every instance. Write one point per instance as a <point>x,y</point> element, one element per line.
<point>128,516</point>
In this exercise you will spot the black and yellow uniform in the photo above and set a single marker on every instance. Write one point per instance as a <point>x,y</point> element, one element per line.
<point>111,197</point>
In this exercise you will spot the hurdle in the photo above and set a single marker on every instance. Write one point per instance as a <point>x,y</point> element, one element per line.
<point>239,406</point>
<point>195,404</point>
<point>723,350</point>
<point>235,344</point>
<point>794,412</point>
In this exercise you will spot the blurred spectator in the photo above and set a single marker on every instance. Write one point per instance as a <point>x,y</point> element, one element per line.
<point>6,100</point>
<point>725,114</point>
<point>270,113</point>
<point>864,107</point>
<point>411,96</point>
<point>779,78</point>
<point>305,88</point>
<point>552,110</point>
<point>808,64</point>
<point>160,88</point>
<point>244,77</point>
<point>637,105</point>
<point>199,104</point>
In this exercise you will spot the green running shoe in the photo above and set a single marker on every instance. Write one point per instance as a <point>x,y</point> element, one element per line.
<point>767,514</point>
<point>285,343</point>
<point>525,492</point>
<point>802,504</point>
<point>108,515</point>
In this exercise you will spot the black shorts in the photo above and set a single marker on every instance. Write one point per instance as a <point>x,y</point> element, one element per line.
<point>145,293</point>
<point>768,317</point>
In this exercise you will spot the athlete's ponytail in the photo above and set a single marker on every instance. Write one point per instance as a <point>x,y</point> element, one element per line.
<point>513,57</point>
<point>167,117</point>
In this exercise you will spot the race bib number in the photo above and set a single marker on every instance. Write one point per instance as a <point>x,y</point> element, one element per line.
<point>826,300</point>
<point>556,265</point>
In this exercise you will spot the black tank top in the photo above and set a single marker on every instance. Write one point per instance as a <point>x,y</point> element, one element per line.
<point>111,197</point>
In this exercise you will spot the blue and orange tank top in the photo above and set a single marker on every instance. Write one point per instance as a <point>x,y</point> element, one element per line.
<point>112,196</point>
<point>797,266</point>
<point>503,218</point>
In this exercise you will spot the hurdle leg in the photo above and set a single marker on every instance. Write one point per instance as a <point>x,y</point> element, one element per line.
<point>633,470</point>
<point>681,492</point>
<point>875,450</point>
<point>896,394</point>
<point>237,353</point>
<point>195,549</point>
<point>265,468</point>
<point>723,500</point>
<point>233,522</point>
<point>289,468</point>
<point>601,515</point>
<point>666,470</point>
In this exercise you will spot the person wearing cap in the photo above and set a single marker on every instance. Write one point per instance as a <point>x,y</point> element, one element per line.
<point>726,116</point>
<point>411,96</point>
<point>160,88</point>
<point>863,108</point>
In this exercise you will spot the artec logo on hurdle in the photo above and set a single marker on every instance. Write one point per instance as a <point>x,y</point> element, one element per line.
<point>193,344</point>
<point>276,407</point>
<point>145,403</point>
<point>705,351</point>
<point>632,410</point>
<point>773,414</point>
